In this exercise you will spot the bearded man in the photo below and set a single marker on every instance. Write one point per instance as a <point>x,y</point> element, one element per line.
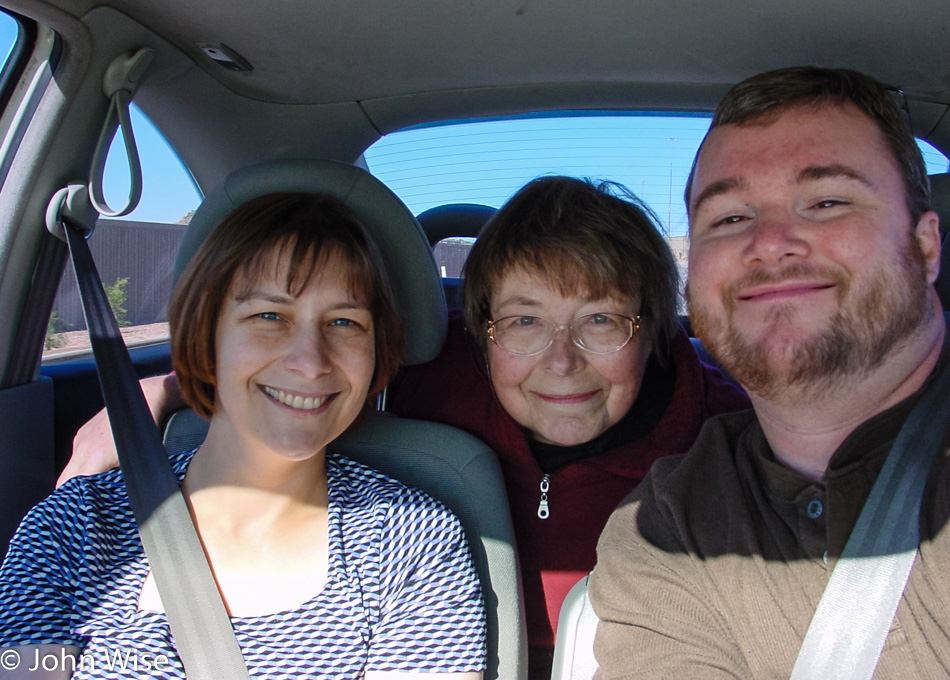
<point>813,253</point>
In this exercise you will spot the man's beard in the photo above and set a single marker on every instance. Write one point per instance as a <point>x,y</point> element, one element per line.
<point>854,341</point>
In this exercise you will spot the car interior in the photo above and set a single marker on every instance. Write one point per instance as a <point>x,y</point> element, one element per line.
<point>256,97</point>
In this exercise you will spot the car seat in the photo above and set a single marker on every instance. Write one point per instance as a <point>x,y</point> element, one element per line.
<point>454,220</point>
<point>448,464</point>
<point>574,646</point>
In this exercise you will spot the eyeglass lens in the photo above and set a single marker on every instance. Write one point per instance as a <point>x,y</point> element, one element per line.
<point>599,333</point>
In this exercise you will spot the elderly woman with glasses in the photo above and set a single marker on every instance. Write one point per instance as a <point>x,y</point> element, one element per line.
<point>570,363</point>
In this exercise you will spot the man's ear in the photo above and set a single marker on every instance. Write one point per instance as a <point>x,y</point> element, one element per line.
<point>928,238</point>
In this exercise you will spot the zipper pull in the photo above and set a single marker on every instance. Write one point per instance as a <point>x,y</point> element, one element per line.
<point>543,511</point>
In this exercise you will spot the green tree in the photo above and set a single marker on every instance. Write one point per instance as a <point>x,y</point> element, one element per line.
<point>118,297</point>
<point>54,332</point>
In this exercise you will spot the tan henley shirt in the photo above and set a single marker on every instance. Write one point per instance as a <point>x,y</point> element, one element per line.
<point>714,565</point>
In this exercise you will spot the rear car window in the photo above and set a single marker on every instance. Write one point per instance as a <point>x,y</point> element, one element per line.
<point>485,162</point>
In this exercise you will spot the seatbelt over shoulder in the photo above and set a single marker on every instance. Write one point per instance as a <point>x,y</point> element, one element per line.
<point>193,606</point>
<point>851,623</point>
<point>196,614</point>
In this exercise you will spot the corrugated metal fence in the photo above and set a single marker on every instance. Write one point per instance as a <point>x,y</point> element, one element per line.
<point>143,252</point>
<point>450,256</point>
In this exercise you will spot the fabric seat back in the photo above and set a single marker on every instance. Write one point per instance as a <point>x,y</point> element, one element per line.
<point>454,220</point>
<point>449,221</point>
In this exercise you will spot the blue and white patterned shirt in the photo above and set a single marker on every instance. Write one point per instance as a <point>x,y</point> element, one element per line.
<point>401,593</point>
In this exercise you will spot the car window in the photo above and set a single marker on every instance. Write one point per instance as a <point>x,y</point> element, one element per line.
<point>475,162</point>
<point>487,161</point>
<point>936,162</point>
<point>135,254</point>
<point>17,43</point>
<point>9,31</point>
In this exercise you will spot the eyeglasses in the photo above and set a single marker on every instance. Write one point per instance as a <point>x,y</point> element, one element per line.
<point>600,333</point>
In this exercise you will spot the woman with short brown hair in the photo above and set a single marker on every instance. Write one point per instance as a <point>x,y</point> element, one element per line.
<point>282,326</point>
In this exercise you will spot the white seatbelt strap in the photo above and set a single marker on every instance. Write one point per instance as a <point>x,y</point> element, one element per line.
<point>851,623</point>
<point>193,606</point>
<point>196,613</point>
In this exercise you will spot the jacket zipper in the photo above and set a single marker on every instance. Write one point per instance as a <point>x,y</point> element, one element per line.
<point>543,511</point>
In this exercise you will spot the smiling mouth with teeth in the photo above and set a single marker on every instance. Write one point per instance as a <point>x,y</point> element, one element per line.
<point>296,401</point>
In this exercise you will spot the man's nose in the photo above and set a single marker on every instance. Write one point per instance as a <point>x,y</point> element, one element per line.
<point>775,236</point>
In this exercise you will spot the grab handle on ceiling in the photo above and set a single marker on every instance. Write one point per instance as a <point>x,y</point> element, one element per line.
<point>119,84</point>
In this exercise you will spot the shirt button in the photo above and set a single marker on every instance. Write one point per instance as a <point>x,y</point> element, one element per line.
<point>815,508</point>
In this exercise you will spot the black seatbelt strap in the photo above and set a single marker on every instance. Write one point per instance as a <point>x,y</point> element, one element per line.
<point>196,614</point>
<point>851,623</point>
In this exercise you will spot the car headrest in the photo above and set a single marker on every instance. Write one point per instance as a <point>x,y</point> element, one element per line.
<point>940,198</point>
<point>405,250</point>
<point>454,219</point>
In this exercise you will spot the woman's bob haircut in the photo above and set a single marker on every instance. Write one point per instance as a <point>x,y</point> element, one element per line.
<point>583,239</point>
<point>304,230</point>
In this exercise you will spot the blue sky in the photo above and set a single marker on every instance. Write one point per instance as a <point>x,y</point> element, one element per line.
<point>168,190</point>
<point>486,161</point>
<point>475,162</point>
<point>483,162</point>
<point>8,31</point>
